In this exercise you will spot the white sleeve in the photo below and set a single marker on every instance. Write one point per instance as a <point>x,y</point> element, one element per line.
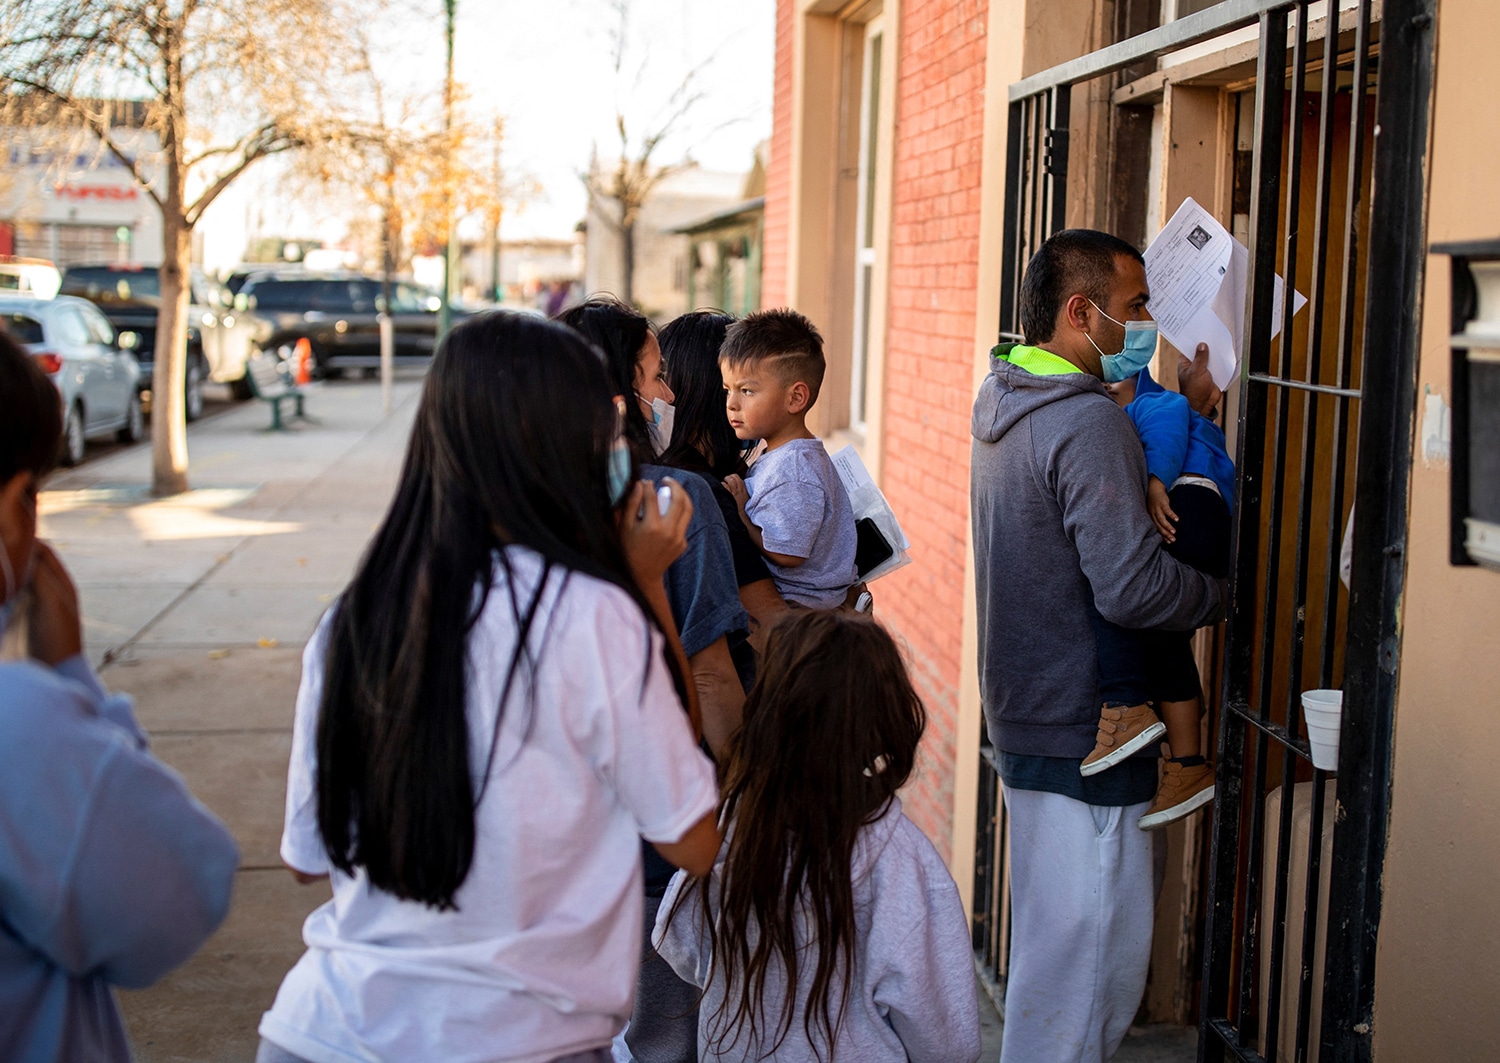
<point>683,941</point>
<point>656,769</point>
<point>301,840</point>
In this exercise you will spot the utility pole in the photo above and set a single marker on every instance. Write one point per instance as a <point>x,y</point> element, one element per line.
<point>497,211</point>
<point>450,238</point>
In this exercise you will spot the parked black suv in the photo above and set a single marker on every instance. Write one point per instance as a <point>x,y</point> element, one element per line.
<point>337,313</point>
<point>130,296</point>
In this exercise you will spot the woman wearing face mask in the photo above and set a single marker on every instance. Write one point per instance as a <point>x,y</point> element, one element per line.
<point>704,597</point>
<point>491,718</point>
<point>703,442</point>
<point>111,874</point>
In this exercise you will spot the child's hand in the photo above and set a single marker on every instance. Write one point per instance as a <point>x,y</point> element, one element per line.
<point>652,540</point>
<point>1160,509</point>
<point>735,485</point>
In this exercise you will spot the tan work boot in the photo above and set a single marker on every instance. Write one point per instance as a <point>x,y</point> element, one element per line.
<point>1181,791</point>
<point>1122,731</point>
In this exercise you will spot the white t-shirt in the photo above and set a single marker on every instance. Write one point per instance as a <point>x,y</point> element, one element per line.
<point>540,958</point>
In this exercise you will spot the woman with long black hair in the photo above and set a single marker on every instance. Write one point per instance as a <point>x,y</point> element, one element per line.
<point>703,443</point>
<point>489,720</point>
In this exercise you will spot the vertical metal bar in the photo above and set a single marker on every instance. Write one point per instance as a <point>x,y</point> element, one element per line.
<point>1278,927</point>
<point>1036,183</point>
<point>1354,213</point>
<point>1057,156</point>
<point>984,857</point>
<point>1010,253</point>
<point>1226,900</point>
<point>1389,384</point>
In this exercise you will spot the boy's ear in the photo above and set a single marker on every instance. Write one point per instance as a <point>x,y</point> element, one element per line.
<point>798,398</point>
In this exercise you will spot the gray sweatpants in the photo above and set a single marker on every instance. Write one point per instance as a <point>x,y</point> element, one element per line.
<point>1082,901</point>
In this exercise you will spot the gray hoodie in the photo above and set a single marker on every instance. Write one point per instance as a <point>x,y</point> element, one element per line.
<point>1058,501</point>
<point>913,991</point>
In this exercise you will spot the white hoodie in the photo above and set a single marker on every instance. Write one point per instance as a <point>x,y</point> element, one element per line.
<point>913,993</point>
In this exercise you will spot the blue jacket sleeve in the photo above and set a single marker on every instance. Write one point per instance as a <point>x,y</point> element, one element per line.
<point>1162,420</point>
<point>112,869</point>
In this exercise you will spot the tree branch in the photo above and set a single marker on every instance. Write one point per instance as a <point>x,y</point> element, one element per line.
<point>273,141</point>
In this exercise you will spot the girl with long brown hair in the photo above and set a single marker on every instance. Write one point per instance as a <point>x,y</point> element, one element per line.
<point>829,928</point>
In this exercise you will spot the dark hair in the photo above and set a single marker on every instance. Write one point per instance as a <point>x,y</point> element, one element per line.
<point>509,447</point>
<point>1072,262</point>
<point>619,332</point>
<point>30,414</point>
<point>830,733</point>
<point>701,437</point>
<point>785,340</point>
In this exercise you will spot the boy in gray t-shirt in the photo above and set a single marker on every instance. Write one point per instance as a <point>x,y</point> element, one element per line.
<point>792,502</point>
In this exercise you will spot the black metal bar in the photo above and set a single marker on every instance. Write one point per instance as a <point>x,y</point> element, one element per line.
<point>1274,731</point>
<point>1301,385</point>
<point>1389,379</point>
<point>1346,345</point>
<point>1272,1006</point>
<point>1179,33</point>
<point>1226,897</point>
<point>1010,266</point>
<point>1057,156</point>
<point>1229,1038</point>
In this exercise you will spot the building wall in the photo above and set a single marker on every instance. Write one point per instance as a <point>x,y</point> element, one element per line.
<point>773,286</point>
<point>1437,967</point>
<point>929,363</point>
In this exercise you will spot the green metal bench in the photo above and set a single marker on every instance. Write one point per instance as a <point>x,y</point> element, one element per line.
<point>268,385</point>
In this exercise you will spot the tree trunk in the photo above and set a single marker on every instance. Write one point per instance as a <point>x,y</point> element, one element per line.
<point>627,263</point>
<point>169,455</point>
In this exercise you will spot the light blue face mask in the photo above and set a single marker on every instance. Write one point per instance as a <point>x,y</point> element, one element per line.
<point>1140,347</point>
<point>619,472</point>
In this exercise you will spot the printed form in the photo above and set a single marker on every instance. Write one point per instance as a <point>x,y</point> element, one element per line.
<point>1199,274</point>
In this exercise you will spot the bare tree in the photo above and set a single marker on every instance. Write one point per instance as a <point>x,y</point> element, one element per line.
<point>618,192</point>
<point>223,83</point>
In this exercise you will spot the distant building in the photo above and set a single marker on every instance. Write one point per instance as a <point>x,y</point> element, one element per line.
<point>661,257</point>
<point>64,198</point>
<point>527,268</point>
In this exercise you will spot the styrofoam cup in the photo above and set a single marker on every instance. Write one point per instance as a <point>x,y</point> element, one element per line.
<point>1323,710</point>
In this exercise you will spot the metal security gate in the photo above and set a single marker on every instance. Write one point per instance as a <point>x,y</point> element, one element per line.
<point>1325,419</point>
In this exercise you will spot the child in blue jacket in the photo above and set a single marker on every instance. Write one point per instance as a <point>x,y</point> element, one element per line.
<point>1190,497</point>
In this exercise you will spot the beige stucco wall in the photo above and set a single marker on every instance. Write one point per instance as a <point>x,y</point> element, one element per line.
<point>1438,968</point>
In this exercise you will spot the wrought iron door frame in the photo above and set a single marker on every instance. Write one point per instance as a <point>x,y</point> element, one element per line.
<point>1035,207</point>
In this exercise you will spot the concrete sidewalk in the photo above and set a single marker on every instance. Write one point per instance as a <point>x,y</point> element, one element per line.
<point>199,606</point>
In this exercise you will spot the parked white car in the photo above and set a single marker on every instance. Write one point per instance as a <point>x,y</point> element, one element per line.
<point>95,373</point>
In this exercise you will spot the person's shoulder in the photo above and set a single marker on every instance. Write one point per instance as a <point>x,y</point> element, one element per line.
<point>42,711</point>
<point>699,490</point>
<point>807,460</point>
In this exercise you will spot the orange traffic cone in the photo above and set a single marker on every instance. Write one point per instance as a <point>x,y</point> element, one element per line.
<point>303,356</point>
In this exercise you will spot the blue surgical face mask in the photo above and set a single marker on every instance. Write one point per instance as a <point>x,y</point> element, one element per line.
<point>1140,347</point>
<point>619,471</point>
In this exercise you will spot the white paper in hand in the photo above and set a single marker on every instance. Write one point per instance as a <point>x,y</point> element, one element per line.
<point>867,500</point>
<point>1199,274</point>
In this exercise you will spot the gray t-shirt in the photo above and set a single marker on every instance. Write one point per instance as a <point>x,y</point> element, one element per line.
<point>801,508</point>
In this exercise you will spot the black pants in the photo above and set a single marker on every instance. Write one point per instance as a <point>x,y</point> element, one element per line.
<point>1137,666</point>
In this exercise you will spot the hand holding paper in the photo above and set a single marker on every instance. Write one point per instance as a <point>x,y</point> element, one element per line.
<point>1199,275</point>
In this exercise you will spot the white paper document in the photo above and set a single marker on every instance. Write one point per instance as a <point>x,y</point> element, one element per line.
<point>867,500</point>
<point>1199,274</point>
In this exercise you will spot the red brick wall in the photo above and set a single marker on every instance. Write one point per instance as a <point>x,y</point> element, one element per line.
<point>929,364</point>
<point>776,243</point>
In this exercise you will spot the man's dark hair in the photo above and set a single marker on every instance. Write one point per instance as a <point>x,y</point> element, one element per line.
<point>785,340</point>
<point>30,414</point>
<point>1074,261</point>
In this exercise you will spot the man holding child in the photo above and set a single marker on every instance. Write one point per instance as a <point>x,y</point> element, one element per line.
<point>1061,530</point>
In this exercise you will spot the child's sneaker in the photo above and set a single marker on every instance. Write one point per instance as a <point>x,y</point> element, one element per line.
<point>1182,790</point>
<point>1122,731</point>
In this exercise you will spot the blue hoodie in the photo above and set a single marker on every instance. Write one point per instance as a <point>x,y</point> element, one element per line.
<point>1177,439</point>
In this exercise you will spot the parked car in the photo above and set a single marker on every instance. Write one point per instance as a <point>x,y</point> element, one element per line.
<point>130,296</point>
<point>338,313</point>
<point>29,276</point>
<point>97,378</point>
